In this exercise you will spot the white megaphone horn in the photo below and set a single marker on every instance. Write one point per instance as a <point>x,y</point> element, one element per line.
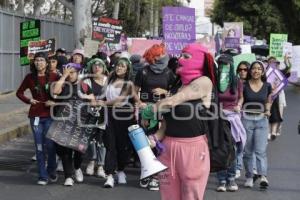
<point>150,165</point>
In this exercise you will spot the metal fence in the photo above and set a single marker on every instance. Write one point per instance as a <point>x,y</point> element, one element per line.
<point>11,73</point>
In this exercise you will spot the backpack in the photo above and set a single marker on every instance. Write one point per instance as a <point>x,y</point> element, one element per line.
<point>220,140</point>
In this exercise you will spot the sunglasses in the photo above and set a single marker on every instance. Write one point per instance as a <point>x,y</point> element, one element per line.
<point>242,69</point>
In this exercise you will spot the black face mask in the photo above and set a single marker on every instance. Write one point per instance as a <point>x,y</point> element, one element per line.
<point>160,65</point>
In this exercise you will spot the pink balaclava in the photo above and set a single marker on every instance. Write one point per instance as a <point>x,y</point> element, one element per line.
<point>192,68</point>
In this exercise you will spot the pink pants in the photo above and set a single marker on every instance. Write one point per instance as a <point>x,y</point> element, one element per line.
<point>188,165</point>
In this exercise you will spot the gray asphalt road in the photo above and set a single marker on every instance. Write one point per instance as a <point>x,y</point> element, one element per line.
<point>18,173</point>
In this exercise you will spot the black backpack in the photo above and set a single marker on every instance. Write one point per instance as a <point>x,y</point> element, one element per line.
<point>220,140</point>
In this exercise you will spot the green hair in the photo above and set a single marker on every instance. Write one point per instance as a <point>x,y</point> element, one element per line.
<point>93,61</point>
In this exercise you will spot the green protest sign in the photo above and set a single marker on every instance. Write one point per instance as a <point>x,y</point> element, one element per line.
<point>276,45</point>
<point>249,57</point>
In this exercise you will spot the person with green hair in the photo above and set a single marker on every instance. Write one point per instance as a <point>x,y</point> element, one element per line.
<point>97,80</point>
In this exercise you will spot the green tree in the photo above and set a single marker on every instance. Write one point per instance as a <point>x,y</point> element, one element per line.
<point>260,18</point>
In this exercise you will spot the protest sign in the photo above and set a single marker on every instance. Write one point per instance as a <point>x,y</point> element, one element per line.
<point>233,30</point>
<point>178,28</point>
<point>70,129</point>
<point>276,45</point>
<point>296,59</point>
<point>29,31</point>
<point>47,46</point>
<point>90,47</point>
<point>293,77</point>
<point>106,28</point>
<point>245,48</point>
<point>250,57</point>
<point>276,79</point>
<point>232,43</point>
<point>140,46</point>
<point>287,49</point>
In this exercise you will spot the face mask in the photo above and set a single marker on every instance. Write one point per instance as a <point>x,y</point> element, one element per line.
<point>191,68</point>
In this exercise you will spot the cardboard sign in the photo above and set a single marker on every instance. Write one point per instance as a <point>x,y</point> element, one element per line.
<point>47,46</point>
<point>276,45</point>
<point>29,31</point>
<point>277,80</point>
<point>106,28</point>
<point>70,130</point>
<point>178,28</point>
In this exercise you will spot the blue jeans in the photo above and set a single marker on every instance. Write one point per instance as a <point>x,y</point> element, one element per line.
<point>239,156</point>
<point>257,129</point>
<point>43,146</point>
<point>229,174</point>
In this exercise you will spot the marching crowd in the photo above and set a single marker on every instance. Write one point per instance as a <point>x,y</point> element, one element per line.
<point>138,89</point>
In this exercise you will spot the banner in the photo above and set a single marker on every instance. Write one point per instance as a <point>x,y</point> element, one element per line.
<point>178,28</point>
<point>209,43</point>
<point>250,57</point>
<point>29,31</point>
<point>47,46</point>
<point>276,45</point>
<point>277,80</point>
<point>70,129</point>
<point>106,28</point>
<point>232,43</point>
<point>140,46</point>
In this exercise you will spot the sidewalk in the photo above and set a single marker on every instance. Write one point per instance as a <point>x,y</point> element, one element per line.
<point>13,117</point>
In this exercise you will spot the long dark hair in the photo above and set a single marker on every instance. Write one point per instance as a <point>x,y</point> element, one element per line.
<point>37,84</point>
<point>263,77</point>
<point>233,79</point>
<point>113,76</point>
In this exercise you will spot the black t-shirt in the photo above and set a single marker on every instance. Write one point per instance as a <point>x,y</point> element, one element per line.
<point>256,100</point>
<point>147,80</point>
<point>97,89</point>
<point>184,120</point>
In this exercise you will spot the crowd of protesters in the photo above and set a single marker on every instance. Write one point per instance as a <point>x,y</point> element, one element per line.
<point>127,85</point>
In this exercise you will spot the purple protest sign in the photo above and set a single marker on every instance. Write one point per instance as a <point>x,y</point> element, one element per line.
<point>232,43</point>
<point>179,28</point>
<point>277,80</point>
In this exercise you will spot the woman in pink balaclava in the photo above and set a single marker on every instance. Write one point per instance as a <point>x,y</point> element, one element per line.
<point>183,132</point>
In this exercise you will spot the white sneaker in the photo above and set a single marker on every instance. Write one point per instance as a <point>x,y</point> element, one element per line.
<point>69,182</point>
<point>101,172</point>
<point>33,158</point>
<point>59,167</point>
<point>121,177</point>
<point>42,182</point>
<point>90,168</point>
<point>264,183</point>
<point>110,181</point>
<point>237,173</point>
<point>249,183</point>
<point>78,175</point>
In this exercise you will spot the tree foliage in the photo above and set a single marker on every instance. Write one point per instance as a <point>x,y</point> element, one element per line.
<point>261,18</point>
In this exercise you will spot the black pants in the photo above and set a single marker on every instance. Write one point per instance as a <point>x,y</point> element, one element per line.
<point>68,159</point>
<point>117,142</point>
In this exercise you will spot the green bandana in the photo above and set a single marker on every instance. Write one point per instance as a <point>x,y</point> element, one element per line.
<point>224,78</point>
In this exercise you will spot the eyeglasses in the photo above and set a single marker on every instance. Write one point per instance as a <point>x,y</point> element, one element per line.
<point>242,69</point>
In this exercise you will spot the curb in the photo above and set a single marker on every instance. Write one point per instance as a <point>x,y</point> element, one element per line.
<point>15,132</point>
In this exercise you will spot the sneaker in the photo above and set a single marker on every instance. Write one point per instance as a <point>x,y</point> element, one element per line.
<point>264,183</point>
<point>42,182</point>
<point>33,158</point>
<point>78,175</point>
<point>69,182</point>
<point>273,137</point>
<point>249,183</point>
<point>237,173</point>
<point>59,167</point>
<point>144,182</point>
<point>121,177</point>
<point>90,168</point>
<point>53,178</point>
<point>232,186</point>
<point>255,178</point>
<point>153,184</point>
<point>221,187</point>
<point>269,136</point>
<point>101,172</point>
<point>110,182</point>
